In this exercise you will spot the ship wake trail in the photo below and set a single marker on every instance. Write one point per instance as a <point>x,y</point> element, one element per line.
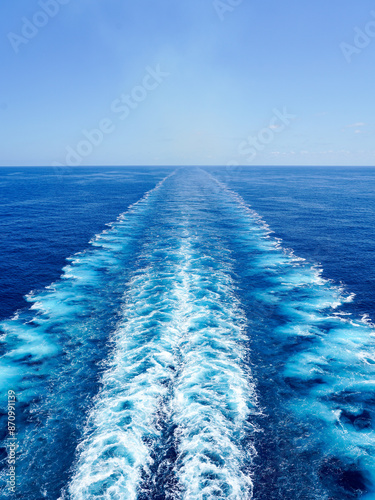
<point>213,397</point>
<point>134,374</point>
<point>172,419</point>
<point>54,351</point>
<point>314,366</point>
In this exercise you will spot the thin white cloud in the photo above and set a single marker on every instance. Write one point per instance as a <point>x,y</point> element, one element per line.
<point>358,124</point>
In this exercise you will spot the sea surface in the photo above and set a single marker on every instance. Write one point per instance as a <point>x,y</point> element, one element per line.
<point>187,333</point>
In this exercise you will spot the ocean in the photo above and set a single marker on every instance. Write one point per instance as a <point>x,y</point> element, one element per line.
<point>187,333</point>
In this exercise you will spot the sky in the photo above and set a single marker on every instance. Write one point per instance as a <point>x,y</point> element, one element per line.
<point>187,82</point>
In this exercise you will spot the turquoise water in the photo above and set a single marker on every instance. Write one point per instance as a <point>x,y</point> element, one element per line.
<point>186,352</point>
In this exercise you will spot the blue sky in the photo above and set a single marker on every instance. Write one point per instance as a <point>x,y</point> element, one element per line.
<point>187,82</point>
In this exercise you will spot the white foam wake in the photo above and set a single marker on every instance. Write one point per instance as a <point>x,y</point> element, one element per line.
<point>331,365</point>
<point>123,426</point>
<point>179,352</point>
<point>214,397</point>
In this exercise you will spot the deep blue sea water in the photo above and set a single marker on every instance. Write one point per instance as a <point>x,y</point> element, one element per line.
<point>48,214</point>
<point>325,214</point>
<point>184,350</point>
